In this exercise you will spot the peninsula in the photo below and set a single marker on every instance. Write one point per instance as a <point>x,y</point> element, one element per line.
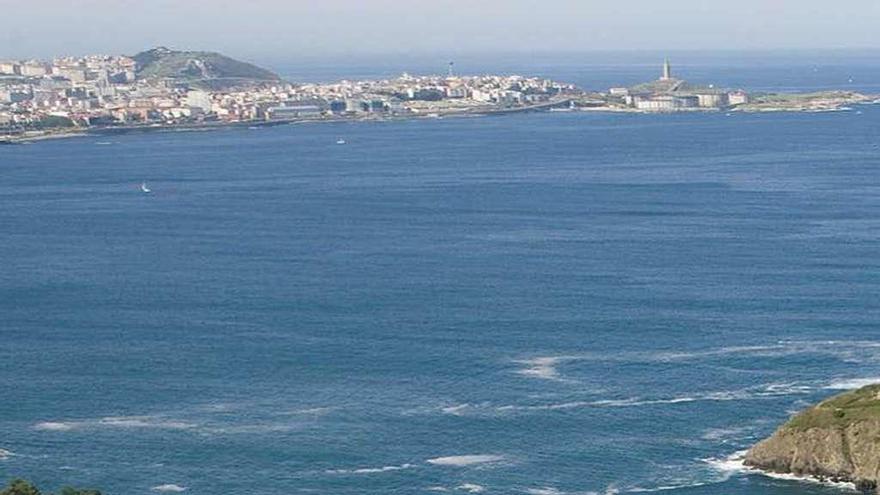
<point>163,88</point>
<point>838,440</point>
<point>671,94</point>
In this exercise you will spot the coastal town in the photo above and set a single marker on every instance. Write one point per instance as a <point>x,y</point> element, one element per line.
<point>163,88</point>
<point>167,88</point>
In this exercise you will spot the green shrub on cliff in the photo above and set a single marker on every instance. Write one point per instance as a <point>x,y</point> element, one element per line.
<point>22,487</point>
<point>841,411</point>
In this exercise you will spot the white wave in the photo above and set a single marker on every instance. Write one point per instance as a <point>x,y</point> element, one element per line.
<point>144,422</point>
<point>853,350</point>
<point>465,460</point>
<point>116,422</point>
<point>54,426</point>
<point>543,367</point>
<point>733,433</point>
<point>471,488</point>
<point>548,490</point>
<point>313,411</point>
<point>631,402</point>
<point>777,389</point>
<point>457,410</point>
<point>666,488</point>
<point>170,488</point>
<point>735,464</point>
<point>769,390</point>
<point>647,402</point>
<point>807,479</point>
<point>852,383</point>
<point>5,454</point>
<point>546,367</point>
<point>543,491</point>
<point>254,429</point>
<point>383,469</point>
<point>756,350</point>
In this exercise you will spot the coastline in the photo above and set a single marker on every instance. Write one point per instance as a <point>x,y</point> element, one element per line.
<point>735,464</point>
<point>36,136</point>
<point>558,106</point>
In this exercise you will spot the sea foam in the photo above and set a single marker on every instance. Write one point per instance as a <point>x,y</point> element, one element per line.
<point>543,491</point>
<point>169,488</point>
<point>53,426</point>
<point>383,469</point>
<point>144,422</point>
<point>735,464</point>
<point>456,410</point>
<point>852,383</point>
<point>762,391</point>
<point>115,422</point>
<point>543,367</point>
<point>465,460</point>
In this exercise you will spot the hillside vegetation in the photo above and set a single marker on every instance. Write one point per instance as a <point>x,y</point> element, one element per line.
<point>22,487</point>
<point>200,69</point>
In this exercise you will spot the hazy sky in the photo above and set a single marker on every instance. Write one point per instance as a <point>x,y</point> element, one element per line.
<point>287,28</point>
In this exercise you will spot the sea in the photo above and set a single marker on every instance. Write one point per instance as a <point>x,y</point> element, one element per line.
<point>538,304</point>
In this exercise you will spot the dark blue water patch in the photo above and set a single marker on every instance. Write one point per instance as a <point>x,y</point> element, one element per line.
<point>560,303</point>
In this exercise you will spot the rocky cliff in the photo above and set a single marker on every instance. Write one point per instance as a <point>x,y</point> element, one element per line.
<point>836,440</point>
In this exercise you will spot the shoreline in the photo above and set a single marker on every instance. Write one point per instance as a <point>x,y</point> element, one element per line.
<point>735,464</point>
<point>552,107</point>
<point>216,125</point>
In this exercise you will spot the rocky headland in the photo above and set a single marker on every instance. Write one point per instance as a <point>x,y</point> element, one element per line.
<point>837,440</point>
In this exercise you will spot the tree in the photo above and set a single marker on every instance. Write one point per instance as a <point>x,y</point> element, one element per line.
<point>20,487</point>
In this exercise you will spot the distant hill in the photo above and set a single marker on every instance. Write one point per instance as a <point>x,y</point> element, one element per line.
<point>206,70</point>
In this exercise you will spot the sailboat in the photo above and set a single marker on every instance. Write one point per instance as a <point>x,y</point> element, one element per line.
<point>144,187</point>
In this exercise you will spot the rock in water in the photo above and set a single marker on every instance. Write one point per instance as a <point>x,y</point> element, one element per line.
<point>836,440</point>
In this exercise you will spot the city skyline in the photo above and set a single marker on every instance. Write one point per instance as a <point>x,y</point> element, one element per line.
<point>270,28</point>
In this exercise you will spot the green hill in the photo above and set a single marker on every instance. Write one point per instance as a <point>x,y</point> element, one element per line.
<point>207,70</point>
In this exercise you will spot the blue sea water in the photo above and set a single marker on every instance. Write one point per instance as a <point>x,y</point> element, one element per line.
<point>543,304</point>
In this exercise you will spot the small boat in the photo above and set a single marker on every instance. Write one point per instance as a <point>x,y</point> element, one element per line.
<point>144,187</point>
<point>340,141</point>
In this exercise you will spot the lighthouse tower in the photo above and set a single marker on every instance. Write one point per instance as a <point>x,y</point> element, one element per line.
<point>667,71</point>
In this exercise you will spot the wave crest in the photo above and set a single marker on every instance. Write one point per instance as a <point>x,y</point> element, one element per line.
<point>852,383</point>
<point>169,488</point>
<point>465,460</point>
<point>735,464</point>
<point>383,469</point>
